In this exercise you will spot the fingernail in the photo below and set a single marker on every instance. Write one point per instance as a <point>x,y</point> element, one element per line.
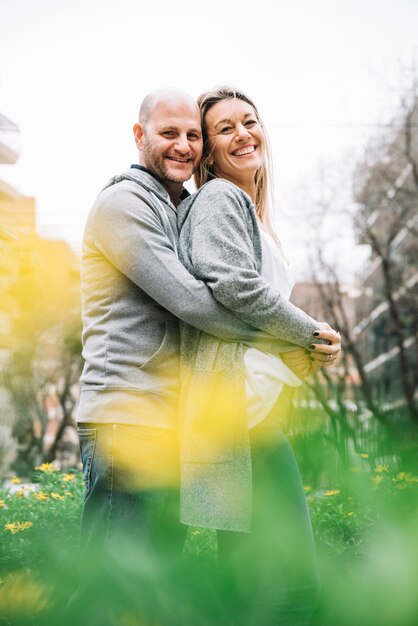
<point>316,333</point>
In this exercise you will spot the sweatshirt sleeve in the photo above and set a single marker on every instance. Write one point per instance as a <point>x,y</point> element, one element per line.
<point>222,254</point>
<point>132,237</point>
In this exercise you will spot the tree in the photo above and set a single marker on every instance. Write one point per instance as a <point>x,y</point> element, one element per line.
<point>45,346</point>
<point>375,387</point>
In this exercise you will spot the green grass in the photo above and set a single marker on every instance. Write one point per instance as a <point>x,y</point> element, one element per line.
<point>366,533</point>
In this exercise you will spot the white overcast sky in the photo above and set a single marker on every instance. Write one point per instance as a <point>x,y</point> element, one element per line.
<point>324,74</point>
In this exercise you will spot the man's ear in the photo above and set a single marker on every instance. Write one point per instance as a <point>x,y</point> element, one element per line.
<point>138,134</point>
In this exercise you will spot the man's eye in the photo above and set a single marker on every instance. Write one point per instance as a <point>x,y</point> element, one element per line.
<point>193,136</point>
<point>168,133</point>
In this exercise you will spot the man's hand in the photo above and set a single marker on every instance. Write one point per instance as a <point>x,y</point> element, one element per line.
<point>298,361</point>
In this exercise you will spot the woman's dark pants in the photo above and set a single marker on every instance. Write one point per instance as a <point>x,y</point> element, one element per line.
<point>271,572</point>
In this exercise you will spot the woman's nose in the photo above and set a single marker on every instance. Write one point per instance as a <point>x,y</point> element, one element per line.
<point>241,132</point>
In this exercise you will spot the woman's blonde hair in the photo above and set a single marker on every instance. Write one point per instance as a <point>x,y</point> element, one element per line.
<point>263,177</point>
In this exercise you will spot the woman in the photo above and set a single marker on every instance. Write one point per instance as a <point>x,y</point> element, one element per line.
<point>239,474</point>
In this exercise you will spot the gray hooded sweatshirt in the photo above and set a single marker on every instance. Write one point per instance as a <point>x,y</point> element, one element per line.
<point>134,292</point>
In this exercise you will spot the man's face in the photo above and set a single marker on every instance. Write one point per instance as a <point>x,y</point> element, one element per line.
<point>170,142</point>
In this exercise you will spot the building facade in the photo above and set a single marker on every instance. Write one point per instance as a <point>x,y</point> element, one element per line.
<point>387,312</point>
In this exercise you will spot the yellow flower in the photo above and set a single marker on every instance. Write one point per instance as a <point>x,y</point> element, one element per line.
<point>57,496</point>
<point>68,493</point>
<point>20,493</point>
<point>12,527</point>
<point>40,495</point>
<point>407,477</point>
<point>15,480</point>
<point>350,513</point>
<point>332,492</point>
<point>364,455</point>
<point>68,477</point>
<point>377,480</point>
<point>21,595</point>
<point>16,527</point>
<point>381,468</point>
<point>2,504</point>
<point>45,467</point>
<point>307,488</point>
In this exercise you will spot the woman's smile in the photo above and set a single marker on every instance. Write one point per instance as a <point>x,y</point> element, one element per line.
<point>246,150</point>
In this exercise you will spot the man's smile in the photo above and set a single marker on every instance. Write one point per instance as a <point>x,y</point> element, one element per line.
<point>179,159</point>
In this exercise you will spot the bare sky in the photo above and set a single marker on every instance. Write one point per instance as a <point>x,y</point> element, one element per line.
<point>324,74</point>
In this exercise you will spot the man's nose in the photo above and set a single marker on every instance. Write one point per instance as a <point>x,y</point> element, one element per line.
<point>182,144</point>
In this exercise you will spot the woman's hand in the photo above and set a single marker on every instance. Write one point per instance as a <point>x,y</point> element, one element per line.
<point>322,354</point>
<point>299,361</point>
<point>304,363</point>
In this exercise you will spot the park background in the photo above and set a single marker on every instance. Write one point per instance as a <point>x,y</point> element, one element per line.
<point>337,86</point>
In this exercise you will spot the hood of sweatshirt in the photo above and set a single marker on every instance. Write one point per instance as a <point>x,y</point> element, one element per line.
<point>185,206</point>
<point>145,180</point>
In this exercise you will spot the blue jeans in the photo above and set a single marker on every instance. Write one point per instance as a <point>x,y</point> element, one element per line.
<point>272,571</point>
<point>130,486</point>
<point>130,532</point>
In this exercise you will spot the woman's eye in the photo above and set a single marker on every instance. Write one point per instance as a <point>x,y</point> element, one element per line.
<point>250,123</point>
<point>226,129</point>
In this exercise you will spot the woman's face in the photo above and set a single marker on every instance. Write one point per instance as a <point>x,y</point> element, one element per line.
<point>235,140</point>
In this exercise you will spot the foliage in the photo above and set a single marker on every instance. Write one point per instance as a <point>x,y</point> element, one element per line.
<point>36,517</point>
<point>44,356</point>
<point>366,535</point>
<point>363,272</point>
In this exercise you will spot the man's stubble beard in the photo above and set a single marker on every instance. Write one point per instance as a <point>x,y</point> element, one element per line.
<point>157,165</point>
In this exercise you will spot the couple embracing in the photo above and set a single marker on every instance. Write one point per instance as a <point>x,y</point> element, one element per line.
<point>192,352</point>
